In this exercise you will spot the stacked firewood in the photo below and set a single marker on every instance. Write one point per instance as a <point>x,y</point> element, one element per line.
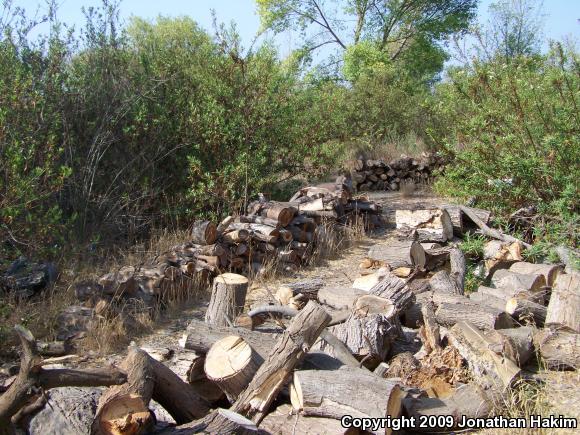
<point>404,171</point>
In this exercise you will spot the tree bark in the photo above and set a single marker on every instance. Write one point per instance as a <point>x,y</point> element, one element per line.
<point>227,299</point>
<point>290,350</point>
<point>394,290</point>
<point>559,350</point>
<point>220,421</point>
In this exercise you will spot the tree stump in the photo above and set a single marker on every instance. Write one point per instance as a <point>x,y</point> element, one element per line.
<point>231,364</point>
<point>227,299</point>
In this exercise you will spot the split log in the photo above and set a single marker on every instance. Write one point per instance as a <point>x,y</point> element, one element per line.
<point>336,393</point>
<point>339,297</point>
<point>284,421</point>
<point>204,233</point>
<point>492,372</point>
<point>458,268</point>
<point>236,236</point>
<point>399,253</point>
<point>549,271</point>
<point>394,290</point>
<point>220,421</point>
<point>255,400</point>
<point>500,255</point>
<point>367,282</point>
<point>33,378</point>
<point>525,310</point>
<point>512,280</point>
<point>467,401</point>
<point>559,350</point>
<point>564,307</point>
<point>431,225</point>
<point>227,299</point>
<point>231,363</point>
<point>429,332</point>
<point>506,294</point>
<point>452,309</point>
<point>223,225</point>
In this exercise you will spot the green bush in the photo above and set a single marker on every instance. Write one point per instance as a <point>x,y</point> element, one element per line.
<point>513,128</point>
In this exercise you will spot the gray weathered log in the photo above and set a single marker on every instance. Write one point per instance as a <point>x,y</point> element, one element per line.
<point>559,350</point>
<point>399,253</point>
<point>564,307</point>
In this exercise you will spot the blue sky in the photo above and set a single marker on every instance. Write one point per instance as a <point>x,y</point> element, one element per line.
<point>561,21</point>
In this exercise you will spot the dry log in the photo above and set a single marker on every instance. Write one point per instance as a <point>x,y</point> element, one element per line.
<point>432,225</point>
<point>255,400</point>
<point>333,394</point>
<point>231,363</point>
<point>252,219</point>
<point>512,280</point>
<point>488,300</point>
<point>366,305</point>
<point>284,421</point>
<point>339,297</point>
<point>549,271</point>
<point>399,253</point>
<point>489,232</point>
<point>564,306</point>
<point>120,283</point>
<point>33,378</point>
<point>559,350</point>
<point>514,343</point>
<point>227,299</point>
<point>452,309</point>
<point>525,310</point>
<point>223,225</point>
<point>367,282</point>
<point>307,287</point>
<point>467,401</point>
<point>462,223</point>
<point>220,421</point>
<point>500,255</point>
<point>394,290</point>
<point>280,212</point>
<point>441,282</point>
<point>492,372</point>
<point>457,274</point>
<point>413,316</point>
<point>236,236</point>
<point>204,233</point>
<point>429,332</point>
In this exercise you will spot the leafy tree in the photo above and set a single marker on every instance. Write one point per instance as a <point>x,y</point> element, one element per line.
<point>401,29</point>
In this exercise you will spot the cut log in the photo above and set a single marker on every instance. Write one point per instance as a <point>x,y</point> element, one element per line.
<point>500,255</point>
<point>458,267</point>
<point>231,363</point>
<point>399,253</point>
<point>559,350</point>
<point>255,400</point>
<point>367,282</point>
<point>280,212</point>
<point>526,311</point>
<point>120,283</point>
<point>227,299</point>
<point>223,225</point>
<point>339,297</point>
<point>284,421</point>
<point>517,281</point>
<point>236,236</point>
<point>462,223</point>
<point>429,332</point>
<point>514,343</point>
<point>452,309</point>
<point>413,317</point>
<point>441,282</point>
<point>492,372</point>
<point>336,393</point>
<point>564,307</point>
<point>307,287</point>
<point>366,305</point>
<point>204,233</point>
<point>467,401</point>
<point>220,421</point>
<point>431,225</point>
<point>488,300</point>
<point>394,290</point>
<point>549,271</point>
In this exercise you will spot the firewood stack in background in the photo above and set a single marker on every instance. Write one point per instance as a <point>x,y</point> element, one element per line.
<point>380,175</point>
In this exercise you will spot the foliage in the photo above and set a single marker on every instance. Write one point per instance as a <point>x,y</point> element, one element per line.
<point>473,245</point>
<point>516,129</point>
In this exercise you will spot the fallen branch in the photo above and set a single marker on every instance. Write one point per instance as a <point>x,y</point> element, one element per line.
<point>490,232</point>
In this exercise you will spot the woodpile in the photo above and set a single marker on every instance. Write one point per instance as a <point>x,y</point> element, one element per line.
<point>404,171</point>
<point>407,340</point>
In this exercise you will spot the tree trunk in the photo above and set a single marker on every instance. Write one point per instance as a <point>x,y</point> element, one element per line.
<point>399,253</point>
<point>559,350</point>
<point>204,233</point>
<point>549,271</point>
<point>227,299</point>
<point>564,307</point>
<point>290,350</point>
<point>231,363</point>
<point>333,394</point>
<point>431,225</point>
